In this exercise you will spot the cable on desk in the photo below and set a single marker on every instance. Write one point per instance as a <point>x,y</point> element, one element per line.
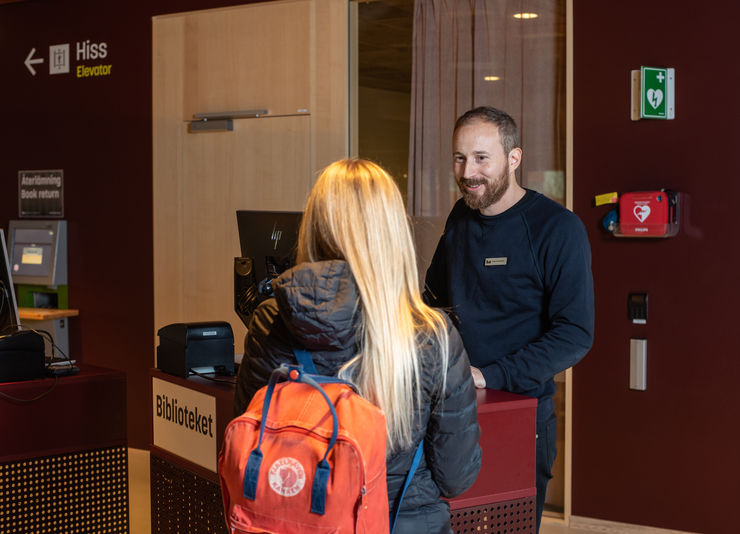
<point>34,399</point>
<point>205,375</point>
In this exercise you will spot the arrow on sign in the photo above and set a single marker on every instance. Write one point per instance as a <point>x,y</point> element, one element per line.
<point>30,62</point>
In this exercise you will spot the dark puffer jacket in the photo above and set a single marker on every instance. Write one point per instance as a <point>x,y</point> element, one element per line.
<point>316,307</point>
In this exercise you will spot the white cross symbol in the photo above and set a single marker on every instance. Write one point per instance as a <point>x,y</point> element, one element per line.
<point>660,77</point>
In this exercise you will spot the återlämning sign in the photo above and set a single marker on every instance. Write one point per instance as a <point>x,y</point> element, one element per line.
<point>41,193</point>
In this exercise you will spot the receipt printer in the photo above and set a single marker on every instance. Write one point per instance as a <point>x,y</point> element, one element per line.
<point>193,348</point>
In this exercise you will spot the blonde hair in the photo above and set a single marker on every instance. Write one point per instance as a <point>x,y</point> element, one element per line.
<point>355,213</point>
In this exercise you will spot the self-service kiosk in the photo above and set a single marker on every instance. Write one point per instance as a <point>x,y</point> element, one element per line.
<point>38,261</point>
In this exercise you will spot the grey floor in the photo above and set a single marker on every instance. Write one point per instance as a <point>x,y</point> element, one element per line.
<point>553,527</point>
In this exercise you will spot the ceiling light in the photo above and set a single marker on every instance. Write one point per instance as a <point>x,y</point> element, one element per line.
<point>526,16</point>
<point>491,78</point>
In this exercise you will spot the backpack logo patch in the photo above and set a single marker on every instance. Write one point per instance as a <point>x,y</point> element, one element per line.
<point>287,477</point>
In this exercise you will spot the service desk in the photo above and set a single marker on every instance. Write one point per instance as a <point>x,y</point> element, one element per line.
<point>503,497</point>
<point>185,491</point>
<point>188,421</point>
<point>63,453</point>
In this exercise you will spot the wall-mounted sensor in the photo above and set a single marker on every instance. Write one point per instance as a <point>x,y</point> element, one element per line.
<point>637,307</point>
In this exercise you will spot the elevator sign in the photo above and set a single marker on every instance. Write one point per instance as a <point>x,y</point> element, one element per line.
<point>657,93</point>
<point>82,59</point>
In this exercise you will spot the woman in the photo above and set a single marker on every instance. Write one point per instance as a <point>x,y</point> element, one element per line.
<point>353,301</point>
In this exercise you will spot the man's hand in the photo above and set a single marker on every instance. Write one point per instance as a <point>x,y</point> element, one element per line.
<point>478,379</point>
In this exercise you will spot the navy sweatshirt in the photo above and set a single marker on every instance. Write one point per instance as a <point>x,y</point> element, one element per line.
<point>521,287</point>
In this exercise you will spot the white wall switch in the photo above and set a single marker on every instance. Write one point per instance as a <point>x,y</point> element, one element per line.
<point>638,364</point>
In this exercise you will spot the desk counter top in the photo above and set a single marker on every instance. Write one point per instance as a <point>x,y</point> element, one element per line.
<point>45,314</point>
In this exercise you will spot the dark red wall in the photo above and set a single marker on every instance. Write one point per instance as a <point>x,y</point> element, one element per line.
<point>665,457</point>
<point>99,131</point>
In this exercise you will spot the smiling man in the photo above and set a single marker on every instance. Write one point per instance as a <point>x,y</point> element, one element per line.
<point>514,268</point>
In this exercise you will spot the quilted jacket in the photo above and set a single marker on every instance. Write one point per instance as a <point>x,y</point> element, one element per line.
<point>316,307</point>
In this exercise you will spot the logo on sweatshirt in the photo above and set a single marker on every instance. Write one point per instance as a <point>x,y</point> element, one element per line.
<point>490,262</point>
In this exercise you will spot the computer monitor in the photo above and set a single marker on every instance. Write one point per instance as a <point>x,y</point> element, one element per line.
<point>9,320</point>
<point>38,252</point>
<point>270,239</point>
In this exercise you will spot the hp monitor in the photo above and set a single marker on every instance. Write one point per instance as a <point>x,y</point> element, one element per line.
<point>269,238</point>
<point>268,245</point>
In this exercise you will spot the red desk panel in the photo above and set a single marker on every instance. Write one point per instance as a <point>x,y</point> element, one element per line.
<point>63,455</point>
<point>79,412</point>
<point>508,430</point>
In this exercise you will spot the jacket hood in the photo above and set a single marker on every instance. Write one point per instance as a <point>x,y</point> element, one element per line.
<point>319,304</point>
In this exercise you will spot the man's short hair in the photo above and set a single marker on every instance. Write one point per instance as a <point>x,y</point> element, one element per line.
<point>507,128</point>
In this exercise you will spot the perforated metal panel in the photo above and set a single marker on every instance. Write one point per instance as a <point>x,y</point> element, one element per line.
<point>84,492</point>
<point>183,501</point>
<point>497,518</point>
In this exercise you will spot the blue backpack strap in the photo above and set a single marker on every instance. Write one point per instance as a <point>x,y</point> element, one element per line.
<point>252,469</point>
<point>414,464</point>
<point>304,359</point>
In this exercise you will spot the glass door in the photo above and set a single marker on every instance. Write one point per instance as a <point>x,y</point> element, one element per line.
<point>417,67</point>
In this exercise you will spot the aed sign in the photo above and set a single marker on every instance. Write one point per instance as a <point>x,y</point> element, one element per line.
<point>184,423</point>
<point>41,193</point>
<point>655,89</point>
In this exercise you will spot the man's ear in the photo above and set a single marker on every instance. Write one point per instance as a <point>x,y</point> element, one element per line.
<point>515,159</point>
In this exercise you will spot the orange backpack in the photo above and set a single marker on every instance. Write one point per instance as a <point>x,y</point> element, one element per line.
<point>308,455</point>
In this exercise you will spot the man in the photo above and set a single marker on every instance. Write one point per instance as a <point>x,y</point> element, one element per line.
<point>514,267</point>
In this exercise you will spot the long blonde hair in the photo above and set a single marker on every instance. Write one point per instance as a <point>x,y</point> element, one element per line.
<point>355,213</point>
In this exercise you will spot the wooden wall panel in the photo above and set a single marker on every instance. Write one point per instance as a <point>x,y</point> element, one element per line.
<point>168,40</point>
<point>248,57</point>
<point>223,172</point>
<point>329,81</point>
<point>283,56</point>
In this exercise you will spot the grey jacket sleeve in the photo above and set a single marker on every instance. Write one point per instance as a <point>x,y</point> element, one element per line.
<point>451,442</point>
<point>264,350</point>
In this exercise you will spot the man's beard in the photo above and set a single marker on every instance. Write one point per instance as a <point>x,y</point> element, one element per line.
<point>493,191</point>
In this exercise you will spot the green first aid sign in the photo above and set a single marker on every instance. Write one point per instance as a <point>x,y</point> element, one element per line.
<point>657,93</point>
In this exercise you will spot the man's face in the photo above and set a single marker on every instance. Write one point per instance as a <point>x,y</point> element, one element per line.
<point>481,168</point>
